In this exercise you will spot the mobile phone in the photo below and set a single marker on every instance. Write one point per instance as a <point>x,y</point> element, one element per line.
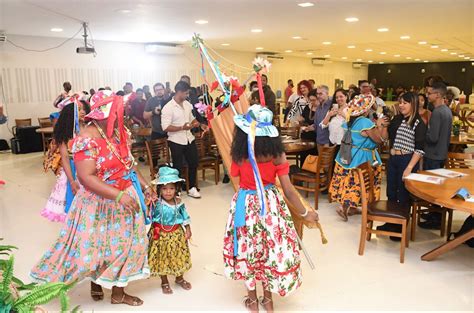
<point>335,106</point>
<point>167,85</point>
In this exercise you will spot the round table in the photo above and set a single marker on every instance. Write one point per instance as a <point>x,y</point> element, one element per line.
<point>45,130</point>
<point>297,146</point>
<point>442,195</point>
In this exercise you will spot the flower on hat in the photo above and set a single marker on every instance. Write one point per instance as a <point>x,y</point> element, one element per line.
<point>261,64</point>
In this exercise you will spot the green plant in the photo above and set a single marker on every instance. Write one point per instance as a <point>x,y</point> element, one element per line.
<point>16,296</point>
<point>457,123</point>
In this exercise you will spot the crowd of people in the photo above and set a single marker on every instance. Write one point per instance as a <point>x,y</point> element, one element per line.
<point>106,204</point>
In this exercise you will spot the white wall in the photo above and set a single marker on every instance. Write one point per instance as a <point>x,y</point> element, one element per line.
<point>30,81</point>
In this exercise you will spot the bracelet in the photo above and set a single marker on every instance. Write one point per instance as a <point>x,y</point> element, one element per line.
<point>305,213</point>
<point>119,196</point>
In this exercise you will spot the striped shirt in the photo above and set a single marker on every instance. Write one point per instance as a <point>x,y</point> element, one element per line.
<point>405,138</point>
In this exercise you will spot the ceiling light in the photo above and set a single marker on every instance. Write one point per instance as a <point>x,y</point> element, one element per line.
<point>461,55</point>
<point>351,46</point>
<point>56,29</point>
<point>370,61</point>
<point>382,30</point>
<point>359,60</point>
<point>397,55</point>
<point>383,52</point>
<point>309,53</point>
<point>352,19</point>
<point>327,55</point>
<point>201,22</point>
<point>425,61</point>
<point>368,50</point>
<point>417,59</point>
<point>453,53</point>
<point>404,37</point>
<point>256,30</point>
<point>225,44</point>
<point>422,42</point>
<point>381,62</point>
<point>444,50</point>
<point>288,51</point>
<point>124,11</point>
<point>344,58</point>
<point>466,58</point>
<point>296,37</point>
<point>306,4</point>
<point>259,48</point>
<point>326,42</point>
<point>434,46</point>
<point>408,58</point>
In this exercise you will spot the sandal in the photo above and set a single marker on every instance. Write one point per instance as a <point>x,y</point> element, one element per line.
<point>355,211</point>
<point>184,284</point>
<point>166,289</point>
<point>97,295</point>
<point>342,213</point>
<point>132,301</point>
<point>264,301</point>
<point>248,302</point>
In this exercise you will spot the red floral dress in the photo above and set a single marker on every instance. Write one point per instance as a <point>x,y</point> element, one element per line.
<point>267,245</point>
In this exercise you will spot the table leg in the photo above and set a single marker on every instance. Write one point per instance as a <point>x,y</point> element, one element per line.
<point>433,254</point>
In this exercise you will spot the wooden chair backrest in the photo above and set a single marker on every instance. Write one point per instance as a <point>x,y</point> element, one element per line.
<point>293,131</point>
<point>326,160</point>
<point>459,160</point>
<point>44,122</point>
<point>158,154</point>
<point>366,178</point>
<point>23,122</point>
<point>203,144</point>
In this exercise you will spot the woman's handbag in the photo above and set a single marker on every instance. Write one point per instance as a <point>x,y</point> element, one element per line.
<point>310,163</point>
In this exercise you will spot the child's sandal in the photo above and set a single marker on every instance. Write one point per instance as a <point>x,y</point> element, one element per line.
<point>249,302</point>
<point>264,301</point>
<point>166,289</point>
<point>184,284</point>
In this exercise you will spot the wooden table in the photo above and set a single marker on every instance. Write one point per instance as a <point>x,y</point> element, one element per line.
<point>297,146</point>
<point>456,143</point>
<point>45,130</point>
<point>442,195</point>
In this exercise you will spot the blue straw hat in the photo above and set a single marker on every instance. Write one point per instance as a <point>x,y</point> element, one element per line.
<point>167,175</point>
<point>263,117</point>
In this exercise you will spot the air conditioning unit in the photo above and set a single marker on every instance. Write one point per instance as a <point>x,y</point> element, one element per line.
<point>164,48</point>
<point>319,61</point>
<point>271,56</point>
<point>358,65</point>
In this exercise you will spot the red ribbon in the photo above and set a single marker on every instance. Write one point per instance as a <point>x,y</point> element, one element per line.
<point>157,228</point>
<point>260,89</point>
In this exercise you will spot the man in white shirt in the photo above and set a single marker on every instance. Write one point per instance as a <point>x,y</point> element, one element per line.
<point>177,120</point>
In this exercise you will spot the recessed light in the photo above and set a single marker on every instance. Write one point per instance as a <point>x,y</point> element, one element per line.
<point>404,37</point>
<point>408,58</point>
<point>383,52</point>
<point>471,60</point>
<point>288,51</point>
<point>259,48</point>
<point>417,59</point>
<point>327,42</point>
<point>344,58</point>
<point>453,53</point>
<point>359,60</point>
<point>370,61</point>
<point>352,19</point>
<point>444,50</point>
<point>124,11</point>
<point>466,58</point>
<point>368,50</point>
<point>306,4</point>
<point>461,56</point>
<point>296,37</point>
<point>327,55</point>
<point>397,55</point>
<point>56,29</point>
<point>381,62</point>
<point>434,46</point>
<point>382,30</point>
<point>256,30</point>
<point>201,22</point>
<point>422,42</point>
<point>425,61</point>
<point>225,44</point>
<point>351,46</point>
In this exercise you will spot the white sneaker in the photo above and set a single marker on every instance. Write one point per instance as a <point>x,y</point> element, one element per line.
<point>194,193</point>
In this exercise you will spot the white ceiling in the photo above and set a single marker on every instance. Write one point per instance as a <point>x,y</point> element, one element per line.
<point>447,24</point>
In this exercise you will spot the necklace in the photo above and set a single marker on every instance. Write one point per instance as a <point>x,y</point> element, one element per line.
<point>175,215</point>
<point>128,165</point>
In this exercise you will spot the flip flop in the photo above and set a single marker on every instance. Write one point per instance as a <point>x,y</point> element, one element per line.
<point>342,213</point>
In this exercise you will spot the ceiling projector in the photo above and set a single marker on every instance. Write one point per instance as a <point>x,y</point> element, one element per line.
<point>85,50</point>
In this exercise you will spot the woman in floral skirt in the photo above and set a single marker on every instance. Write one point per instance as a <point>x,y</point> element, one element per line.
<point>260,242</point>
<point>104,237</point>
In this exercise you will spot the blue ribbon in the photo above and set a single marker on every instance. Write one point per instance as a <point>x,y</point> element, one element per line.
<point>249,119</point>
<point>239,215</point>
<point>69,193</point>
<point>132,175</point>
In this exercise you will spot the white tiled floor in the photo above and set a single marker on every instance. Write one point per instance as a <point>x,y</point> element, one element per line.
<point>342,280</point>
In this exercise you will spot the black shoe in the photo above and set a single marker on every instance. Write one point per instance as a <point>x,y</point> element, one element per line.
<point>390,227</point>
<point>141,159</point>
<point>392,238</point>
<point>324,192</point>
<point>226,179</point>
<point>430,224</point>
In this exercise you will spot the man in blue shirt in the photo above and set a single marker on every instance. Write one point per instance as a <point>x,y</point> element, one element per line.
<point>325,104</point>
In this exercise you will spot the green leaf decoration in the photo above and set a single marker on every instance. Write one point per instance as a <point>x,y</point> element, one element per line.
<point>64,301</point>
<point>196,40</point>
<point>7,275</point>
<point>76,309</point>
<point>41,294</point>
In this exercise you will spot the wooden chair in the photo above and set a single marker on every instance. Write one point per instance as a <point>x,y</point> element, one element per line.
<point>159,155</point>
<point>207,160</point>
<point>319,181</point>
<point>45,122</point>
<point>292,131</point>
<point>384,152</point>
<point>24,122</point>
<point>379,211</point>
<point>454,161</point>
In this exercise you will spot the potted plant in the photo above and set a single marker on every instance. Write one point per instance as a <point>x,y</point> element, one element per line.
<point>456,127</point>
<point>16,296</point>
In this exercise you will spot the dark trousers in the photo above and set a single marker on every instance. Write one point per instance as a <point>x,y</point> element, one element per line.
<point>430,164</point>
<point>396,190</point>
<point>155,135</point>
<point>188,152</point>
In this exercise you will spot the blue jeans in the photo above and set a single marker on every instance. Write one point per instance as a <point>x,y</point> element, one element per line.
<point>430,164</point>
<point>396,190</point>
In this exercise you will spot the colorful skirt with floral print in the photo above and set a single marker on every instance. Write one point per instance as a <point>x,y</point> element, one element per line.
<point>345,186</point>
<point>100,240</point>
<point>267,246</point>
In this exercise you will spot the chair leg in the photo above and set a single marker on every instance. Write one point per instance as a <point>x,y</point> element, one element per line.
<point>316,196</point>
<point>407,241</point>
<point>369,234</point>
<point>363,234</point>
<point>403,243</point>
<point>450,222</point>
<point>443,224</point>
<point>413,223</point>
